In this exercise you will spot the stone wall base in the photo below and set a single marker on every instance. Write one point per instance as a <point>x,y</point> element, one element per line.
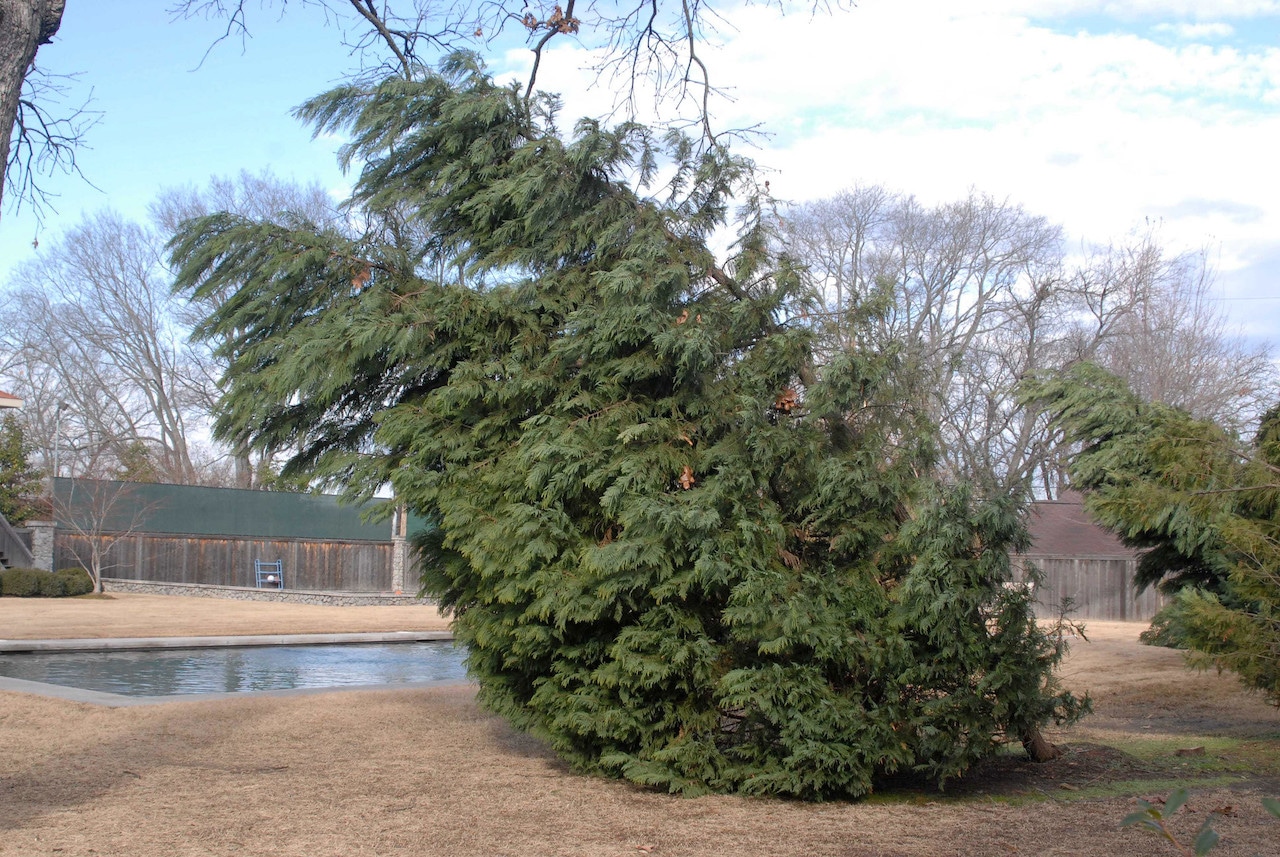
<point>248,593</point>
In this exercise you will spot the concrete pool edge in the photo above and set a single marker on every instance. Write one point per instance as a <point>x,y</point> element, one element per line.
<point>115,700</point>
<point>109,644</point>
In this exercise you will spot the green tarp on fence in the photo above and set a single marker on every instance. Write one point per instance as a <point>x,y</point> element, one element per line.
<point>104,506</point>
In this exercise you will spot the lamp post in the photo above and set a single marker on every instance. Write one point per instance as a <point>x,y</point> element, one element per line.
<point>57,437</point>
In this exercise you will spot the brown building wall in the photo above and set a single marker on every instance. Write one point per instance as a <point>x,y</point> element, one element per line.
<point>1093,587</point>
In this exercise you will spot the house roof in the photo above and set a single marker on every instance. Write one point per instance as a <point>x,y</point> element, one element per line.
<point>8,400</point>
<point>1062,528</point>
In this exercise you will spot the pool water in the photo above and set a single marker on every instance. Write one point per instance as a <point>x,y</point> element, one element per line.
<point>176,672</point>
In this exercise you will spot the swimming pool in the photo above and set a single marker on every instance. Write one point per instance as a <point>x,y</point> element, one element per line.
<point>180,672</point>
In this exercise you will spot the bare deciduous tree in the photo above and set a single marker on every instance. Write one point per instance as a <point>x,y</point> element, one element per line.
<point>101,348</point>
<point>257,197</point>
<point>98,315</point>
<point>983,294</point>
<point>1175,345</point>
<point>98,513</point>
<point>962,277</point>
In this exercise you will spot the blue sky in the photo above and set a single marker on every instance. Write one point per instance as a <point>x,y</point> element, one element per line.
<point>169,119</point>
<point>1102,115</point>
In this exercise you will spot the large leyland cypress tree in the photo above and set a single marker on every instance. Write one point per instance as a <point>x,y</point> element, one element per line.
<point>677,549</point>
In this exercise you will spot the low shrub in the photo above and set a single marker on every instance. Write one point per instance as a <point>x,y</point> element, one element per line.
<point>75,580</point>
<point>33,582</point>
<point>52,586</point>
<point>22,582</point>
<point>1168,628</point>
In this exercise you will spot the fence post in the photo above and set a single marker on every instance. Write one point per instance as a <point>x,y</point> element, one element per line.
<point>1124,590</point>
<point>42,535</point>
<point>399,547</point>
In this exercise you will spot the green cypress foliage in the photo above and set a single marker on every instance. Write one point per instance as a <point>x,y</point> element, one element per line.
<point>19,481</point>
<point>1203,506</point>
<point>676,549</point>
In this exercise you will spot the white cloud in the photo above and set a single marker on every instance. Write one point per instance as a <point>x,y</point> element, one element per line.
<point>1196,9</point>
<point>1103,132</point>
<point>1099,132</point>
<point>1200,31</point>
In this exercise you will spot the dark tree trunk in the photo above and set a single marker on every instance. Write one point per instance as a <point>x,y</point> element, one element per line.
<point>244,467</point>
<point>25,25</point>
<point>1039,749</point>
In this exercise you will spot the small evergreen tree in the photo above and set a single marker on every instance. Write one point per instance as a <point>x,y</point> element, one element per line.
<point>1203,507</point>
<point>137,464</point>
<point>19,481</point>
<point>675,548</point>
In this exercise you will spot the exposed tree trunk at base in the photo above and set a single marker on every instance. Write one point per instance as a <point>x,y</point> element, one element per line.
<point>1039,749</point>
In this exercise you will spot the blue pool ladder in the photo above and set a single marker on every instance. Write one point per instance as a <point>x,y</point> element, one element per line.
<point>269,574</point>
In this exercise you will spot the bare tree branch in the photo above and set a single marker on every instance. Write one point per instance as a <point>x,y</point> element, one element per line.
<point>366,10</point>
<point>25,25</point>
<point>643,45</point>
<point>42,142</point>
<point>694,59</point>
<point>558,23</point>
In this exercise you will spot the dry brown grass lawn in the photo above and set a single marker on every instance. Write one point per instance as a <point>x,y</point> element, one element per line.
<point>425,772</point>
<point>134,615</point>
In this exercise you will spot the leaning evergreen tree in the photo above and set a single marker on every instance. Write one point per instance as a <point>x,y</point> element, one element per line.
<point>1202,507</point>
<point>675,548</point>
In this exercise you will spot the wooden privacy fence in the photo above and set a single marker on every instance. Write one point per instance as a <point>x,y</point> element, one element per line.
<point>198,535</point>
<point>1083,564</point>
<point>345,566</point>
<point>195,535</point>
<point>1095,588</point>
